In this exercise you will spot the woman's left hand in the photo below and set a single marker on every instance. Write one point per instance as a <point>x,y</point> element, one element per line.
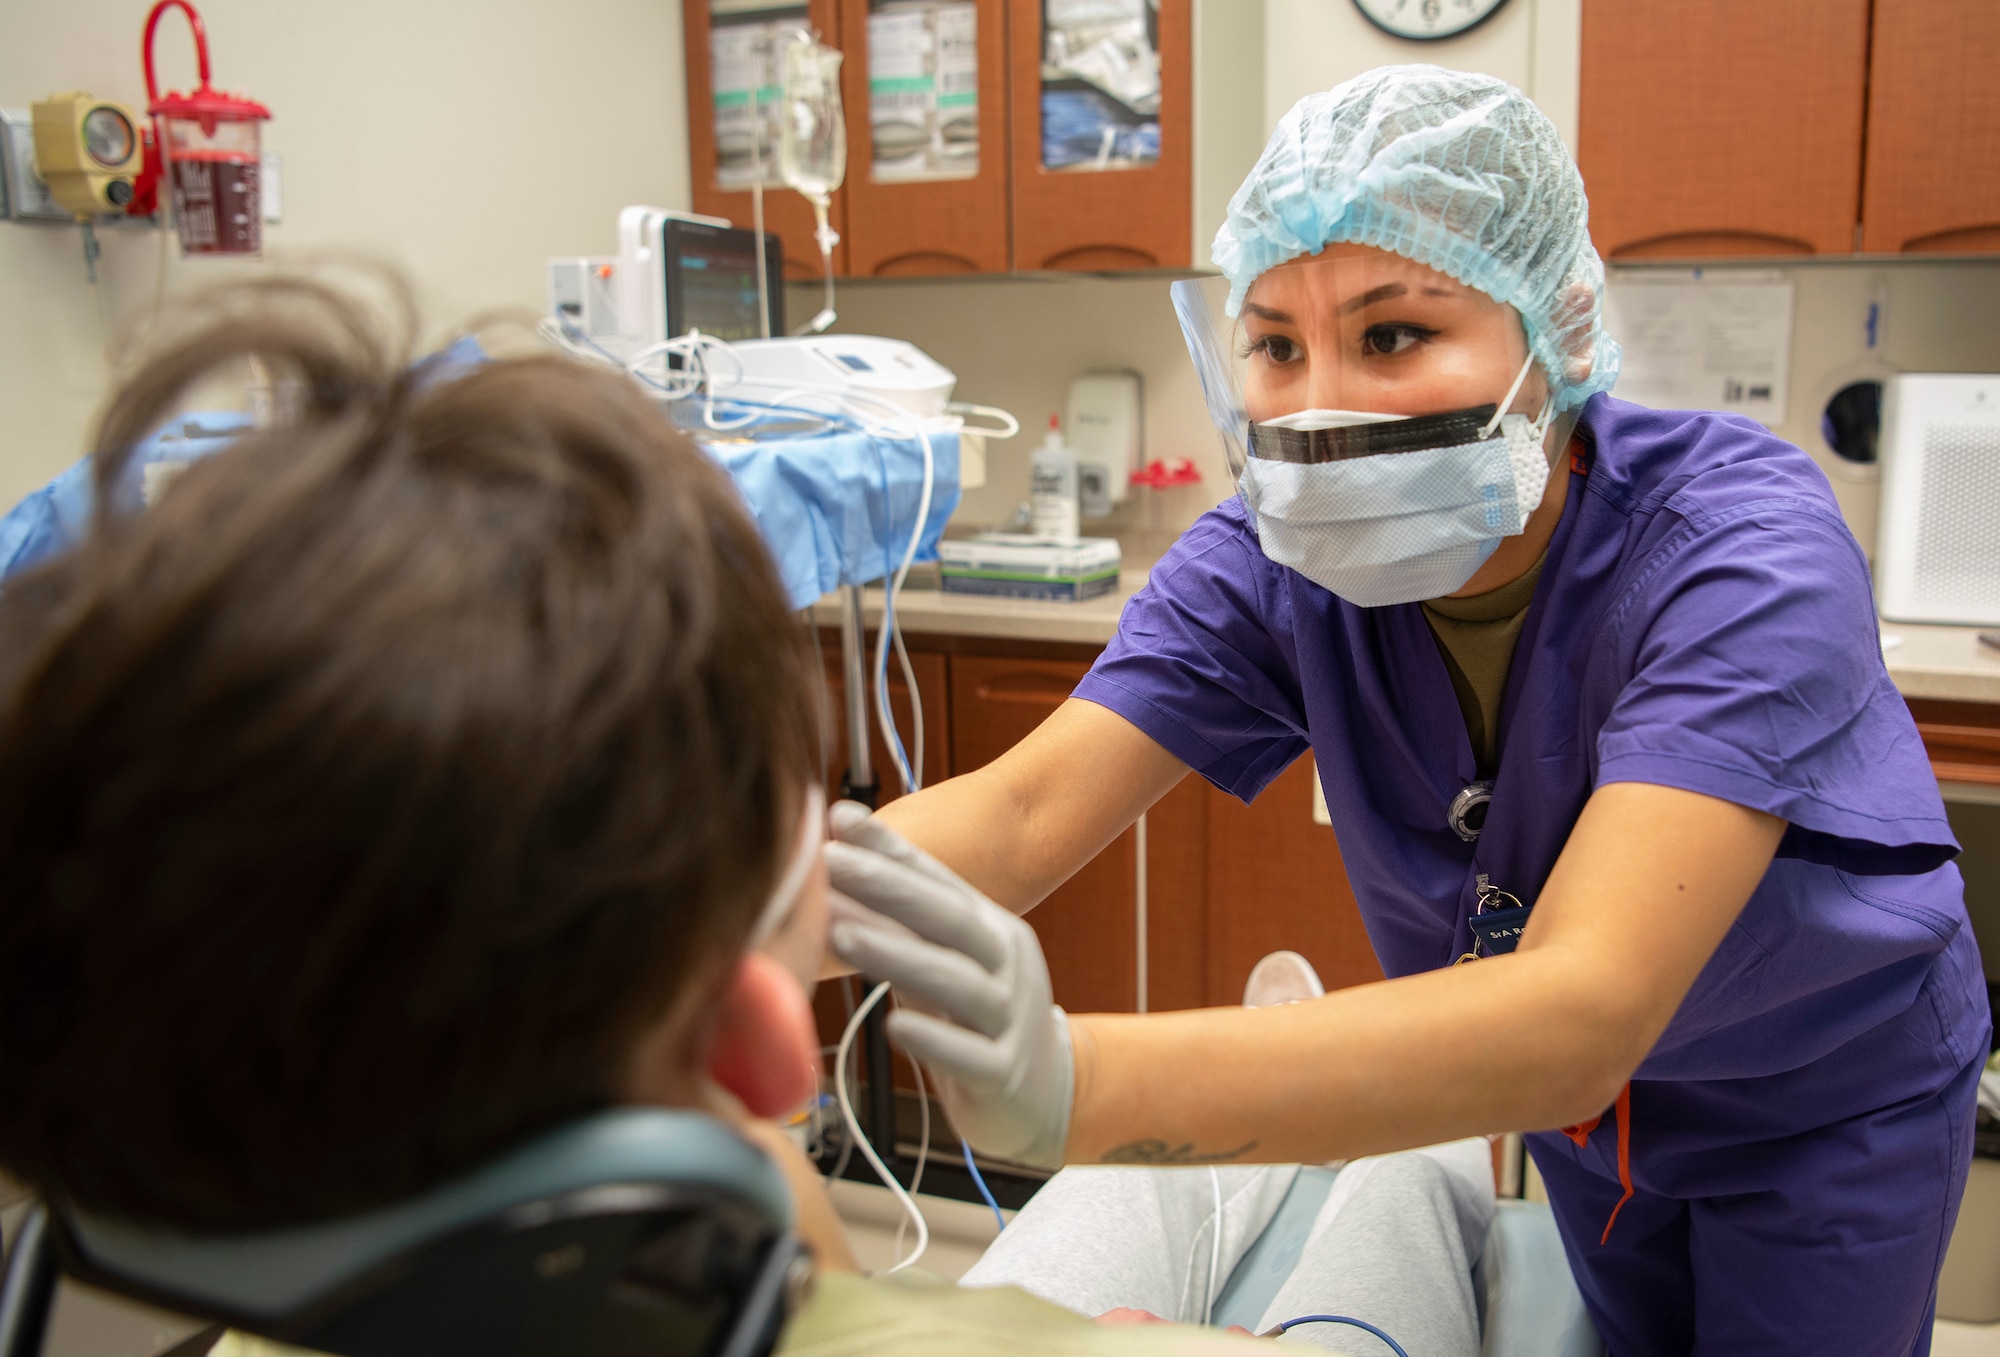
<point>986,1026</point>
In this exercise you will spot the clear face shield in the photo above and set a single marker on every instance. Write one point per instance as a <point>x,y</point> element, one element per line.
<point>1386,425</point>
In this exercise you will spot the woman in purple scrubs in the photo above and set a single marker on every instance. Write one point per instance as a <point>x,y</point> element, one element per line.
<point>1596,697</point>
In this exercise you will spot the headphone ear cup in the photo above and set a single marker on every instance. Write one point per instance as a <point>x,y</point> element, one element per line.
<point>766,1048</point>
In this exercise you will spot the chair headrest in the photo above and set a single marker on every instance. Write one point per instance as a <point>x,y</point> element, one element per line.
<point>578,1169</point>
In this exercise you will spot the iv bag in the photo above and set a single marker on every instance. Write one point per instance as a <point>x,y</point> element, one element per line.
<point>812,136</point>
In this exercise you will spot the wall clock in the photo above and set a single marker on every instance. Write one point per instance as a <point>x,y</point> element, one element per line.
<point>1427,20</point>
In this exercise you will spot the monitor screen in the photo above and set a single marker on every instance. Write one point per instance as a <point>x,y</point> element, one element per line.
<point>711,277</point>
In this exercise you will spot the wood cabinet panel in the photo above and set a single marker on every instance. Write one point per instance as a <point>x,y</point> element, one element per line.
<point>1115,219</point>
<point>932,227</point>
<point>1088,925</point>
<point>785,212</point>
<point>932,689</point>
<point>1933,174</point>
<point>1962,739</point>
<point>1275,880</point>
<point>1723,127</point>
<point>1177,897</point>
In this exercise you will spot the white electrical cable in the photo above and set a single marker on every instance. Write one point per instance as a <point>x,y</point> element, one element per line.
<point>846,1140</point>
<point>923,1144</point>
<point>1005,427</point>
<point>861,1141</point>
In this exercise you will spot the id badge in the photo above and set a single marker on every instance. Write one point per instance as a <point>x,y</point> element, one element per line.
<point>1499,930</point>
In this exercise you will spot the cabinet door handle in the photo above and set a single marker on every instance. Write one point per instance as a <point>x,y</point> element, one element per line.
<point>1100,257</point>
<point>922,263</point>
<point>1694,244</point>
<point>1960,239</point>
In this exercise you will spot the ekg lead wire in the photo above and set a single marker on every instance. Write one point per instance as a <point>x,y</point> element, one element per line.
<point>1289,1324</point>
<point>846,1102</point>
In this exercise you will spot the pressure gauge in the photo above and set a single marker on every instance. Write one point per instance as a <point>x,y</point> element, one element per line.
<point>87,151</point>
<point>108,137</point>
<point>1427,20</point>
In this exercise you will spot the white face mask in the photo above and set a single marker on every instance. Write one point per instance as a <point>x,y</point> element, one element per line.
<point>1382,509</point>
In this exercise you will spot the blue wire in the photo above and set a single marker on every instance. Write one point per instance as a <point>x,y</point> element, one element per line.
<point>980,1183</point>
<point>1343,1319</point>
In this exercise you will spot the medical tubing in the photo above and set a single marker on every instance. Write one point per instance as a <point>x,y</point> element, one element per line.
<point>979,1181</point>
<point>861,1141</point>
<point>893,585</point>
<point>916,750</point>
<point>910,772</point>
<point>923,1143</point>
<point>890,630</point>
<point>1394,1346</point>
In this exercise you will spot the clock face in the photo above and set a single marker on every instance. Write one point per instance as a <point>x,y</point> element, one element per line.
<point>1427,19</point>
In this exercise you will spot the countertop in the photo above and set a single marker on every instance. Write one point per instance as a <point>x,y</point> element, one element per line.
<point>925,609</point>
<point>1927,661</point>
<point>1942,662</point>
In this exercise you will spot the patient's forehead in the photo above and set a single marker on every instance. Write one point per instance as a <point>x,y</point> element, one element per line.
<point>1342,274</point>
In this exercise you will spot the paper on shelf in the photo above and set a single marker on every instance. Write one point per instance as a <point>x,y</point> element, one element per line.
<point>1700,339</point>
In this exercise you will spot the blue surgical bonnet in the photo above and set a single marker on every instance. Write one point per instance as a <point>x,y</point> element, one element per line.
<point>1460,173</point>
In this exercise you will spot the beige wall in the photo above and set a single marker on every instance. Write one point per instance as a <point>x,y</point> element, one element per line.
<point>1939,317</point>
<point>465,141</point>
<point>1313,45</point>
<point>571,111</point>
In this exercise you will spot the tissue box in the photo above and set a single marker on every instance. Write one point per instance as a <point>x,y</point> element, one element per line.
<point>1011,565</point>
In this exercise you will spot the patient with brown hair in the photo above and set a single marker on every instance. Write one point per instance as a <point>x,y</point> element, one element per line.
<point>431,768</point>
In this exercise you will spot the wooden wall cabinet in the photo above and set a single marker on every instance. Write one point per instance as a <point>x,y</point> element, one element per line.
<point>1014,213</point>
<point>905,228</point>
<point>1933,181</point>
<point>1275,880</point>
<point>1088,925</point>
<point>785,212</point>
<point>1082,219</point>
<point>1722,127</point>
<point>1962,738</point>
<point>1731,128</point>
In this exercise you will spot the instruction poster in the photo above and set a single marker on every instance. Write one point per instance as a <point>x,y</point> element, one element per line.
<point>1702,340</point>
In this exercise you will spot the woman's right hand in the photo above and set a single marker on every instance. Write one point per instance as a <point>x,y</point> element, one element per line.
<point>978,1010</point>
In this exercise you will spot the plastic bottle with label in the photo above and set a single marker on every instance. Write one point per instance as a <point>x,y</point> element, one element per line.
<point>1052,489</point>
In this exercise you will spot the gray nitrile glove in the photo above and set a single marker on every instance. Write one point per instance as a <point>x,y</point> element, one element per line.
<point>997,1047</point>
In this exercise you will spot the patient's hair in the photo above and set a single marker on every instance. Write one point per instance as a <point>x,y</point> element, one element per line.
<point>364,800</point>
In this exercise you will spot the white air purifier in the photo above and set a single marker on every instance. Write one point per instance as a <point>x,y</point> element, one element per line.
<point>1938,542</point>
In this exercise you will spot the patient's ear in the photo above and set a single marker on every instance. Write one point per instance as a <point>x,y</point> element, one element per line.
<point>766,1048</point>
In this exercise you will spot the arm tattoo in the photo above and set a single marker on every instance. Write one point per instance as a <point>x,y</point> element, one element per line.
<point>1160,1153</point>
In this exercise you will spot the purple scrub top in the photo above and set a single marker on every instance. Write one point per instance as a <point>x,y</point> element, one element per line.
<point>1704,620</point>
